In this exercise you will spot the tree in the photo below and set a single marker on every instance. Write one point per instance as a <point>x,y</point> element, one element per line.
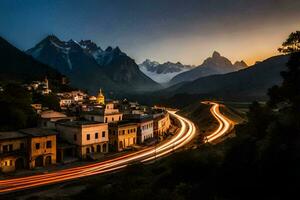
<point>292,43</point>
<point>289,92</point>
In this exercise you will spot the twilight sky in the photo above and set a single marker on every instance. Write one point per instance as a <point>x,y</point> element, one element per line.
<point>164,30</point>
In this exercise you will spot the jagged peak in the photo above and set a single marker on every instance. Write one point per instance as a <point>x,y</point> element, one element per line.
<point>89,44</point>
<point>117,50</point>
<point>240,64</point>
<point>109,49</point>
<point>216,54</point>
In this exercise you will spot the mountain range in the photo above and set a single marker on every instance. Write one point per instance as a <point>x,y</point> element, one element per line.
<point>90,67</point>
<point>216,64</point>
<point>251,83</point>
<point>164,72</point>
<point>16,66</point>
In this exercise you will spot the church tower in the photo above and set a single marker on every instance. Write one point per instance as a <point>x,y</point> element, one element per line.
<point>100,97</point>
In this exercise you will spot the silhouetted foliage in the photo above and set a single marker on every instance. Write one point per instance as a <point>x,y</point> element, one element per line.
<point>16,111</point>
<point>50,101</point>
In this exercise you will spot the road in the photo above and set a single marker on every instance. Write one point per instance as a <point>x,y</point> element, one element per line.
<point>183,137</point>
<point>225,124</point>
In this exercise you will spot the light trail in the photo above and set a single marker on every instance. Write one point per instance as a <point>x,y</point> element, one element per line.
<point>183,137</point>
<point>186,133</point>
<point>225,124</point>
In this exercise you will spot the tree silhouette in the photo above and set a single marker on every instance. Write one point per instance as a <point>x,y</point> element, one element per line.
<point>292,43</point>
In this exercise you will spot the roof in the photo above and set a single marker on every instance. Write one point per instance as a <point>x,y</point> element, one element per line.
<point>80,123</point>
<point>138,118</point>
<point>11,135</point>
<point>38,132</point>
<point>52,114</point>
<point>122,123</point>
<point>94,112</point>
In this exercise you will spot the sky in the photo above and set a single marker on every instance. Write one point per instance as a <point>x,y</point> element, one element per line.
<point>187,31</point>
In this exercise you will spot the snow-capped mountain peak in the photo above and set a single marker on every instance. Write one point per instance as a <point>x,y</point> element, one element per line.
<point>162,72</point>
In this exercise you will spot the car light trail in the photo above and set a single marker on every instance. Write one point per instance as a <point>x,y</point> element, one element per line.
<point>225,124</point>
<point>183,137</point>
<point>186,133</point>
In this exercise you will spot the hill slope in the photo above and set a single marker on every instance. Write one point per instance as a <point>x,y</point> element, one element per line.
<point>250,83</point>
<point>15,65</point>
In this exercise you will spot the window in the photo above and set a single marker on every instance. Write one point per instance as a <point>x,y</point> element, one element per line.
<point>87,150</point>
<point>96,135</point>
<point>88,137</point>
<point>10,147</point>
<point>112,119</point>
<point>103,133</point>
<point>49,144</point>
<point>5,148</point>
<point>105,119</point>
<point>75,137</point>
<point>22,146</point>
<point>37,145</point>
<point>10,163</point>
<point>119,118</point>
<point>123,132</point>
<point>128,131</point>
<point>92,118</point>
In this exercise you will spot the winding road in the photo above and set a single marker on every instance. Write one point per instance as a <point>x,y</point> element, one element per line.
<point>225,124</point>
<point>183,137</point>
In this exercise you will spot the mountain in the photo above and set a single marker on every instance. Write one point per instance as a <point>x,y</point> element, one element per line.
<point>90,67</point>
<point>247,84</point>
<point>216,64</point>
<point>162,72</point>
<point>120,68</point>
<point>15,65</point>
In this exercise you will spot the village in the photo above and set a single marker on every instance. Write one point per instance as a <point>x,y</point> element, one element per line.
<point>87,128</point>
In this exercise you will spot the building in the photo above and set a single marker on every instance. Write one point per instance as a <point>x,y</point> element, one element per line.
<point>44,87</point>
<point>49,117</point>
<point>100,98</point>
<point>90,138</point>
<point>37,107</point>
<point>107,115</point>
<point>65,102</point>
<point>41,146</point>
<point>13,154</point>
<point>122,134</point>
<point>144,126</point>
<point>161,124</point>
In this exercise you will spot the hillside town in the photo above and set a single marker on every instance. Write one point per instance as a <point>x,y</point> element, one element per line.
<point>87,128</point>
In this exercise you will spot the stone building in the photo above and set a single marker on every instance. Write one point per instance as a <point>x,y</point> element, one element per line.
<point>41,146</point>
<point>161,124</point>
<point>13,151</point>
<point>49,117</point>
<point>122,134</point>
<point>90,137</point>
<point>106,115</point>
<point>144,126</point>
